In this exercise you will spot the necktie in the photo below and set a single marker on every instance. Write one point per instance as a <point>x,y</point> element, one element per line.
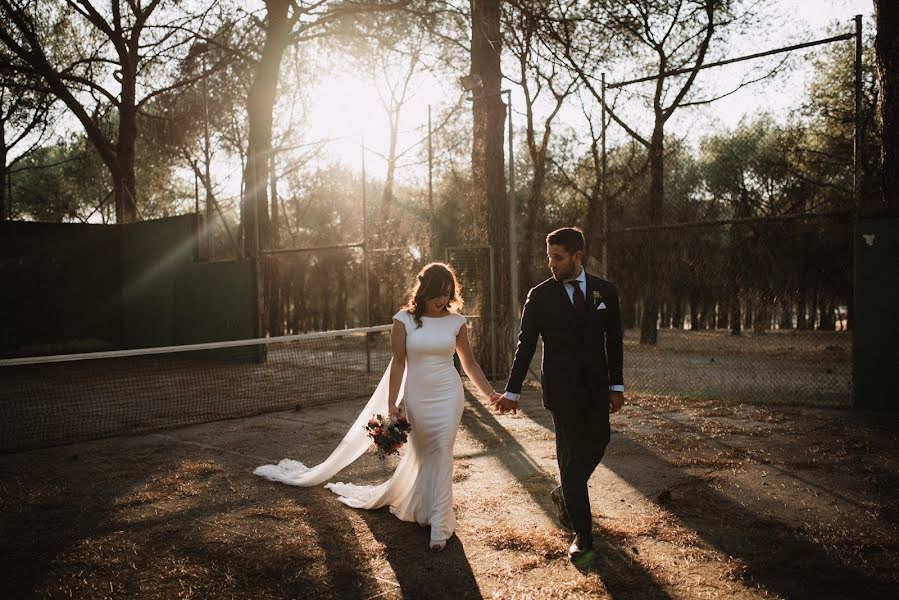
<point>579,304</point>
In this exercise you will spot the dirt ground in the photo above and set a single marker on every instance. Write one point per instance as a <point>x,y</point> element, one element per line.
<point>694,499</point>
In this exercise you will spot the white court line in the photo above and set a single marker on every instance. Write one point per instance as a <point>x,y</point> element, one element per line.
<point>249,457</point>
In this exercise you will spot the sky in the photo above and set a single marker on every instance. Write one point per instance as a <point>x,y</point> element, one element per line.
<point>802,20</point>
<point>819,13</point>
<point>346,109</point>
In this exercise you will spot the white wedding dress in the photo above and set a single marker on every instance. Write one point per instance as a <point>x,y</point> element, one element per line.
<point>421,488</point>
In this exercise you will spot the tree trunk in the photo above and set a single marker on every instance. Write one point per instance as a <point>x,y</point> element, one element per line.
<point>649,324</point>
<point>749,315</point>
<point>786,315</point>
<point>274,281</point>
<point>886,47</point>
<point>723,315</point>
<point>708,313</point>
<point>735,317</point>
<point>275,203</point>
<point>677,317</point>
<point>760,324</point>
<point>628,315</point>
<point>341,298</point>
<point>695,320</point>
<point>5,212</point>
<point>126,182</point>
<point>802,317</point>
<point>812,323</point>
<point>260,105</point>
<point>298,310</point>
<point>826,321</point>
<point>532,241</point>
<point>665,315</point>
<point>488,197</point>
<point>389,182</point>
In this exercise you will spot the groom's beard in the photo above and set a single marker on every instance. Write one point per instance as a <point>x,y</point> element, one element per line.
<point>562,275</point>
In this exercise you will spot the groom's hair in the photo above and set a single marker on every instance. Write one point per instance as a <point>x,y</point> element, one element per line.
<point>570,238</point>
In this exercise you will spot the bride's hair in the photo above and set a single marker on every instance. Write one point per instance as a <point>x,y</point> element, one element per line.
<point>433,281</point>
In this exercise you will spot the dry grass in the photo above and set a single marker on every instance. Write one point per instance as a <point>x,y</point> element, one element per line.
<point>692,503</point>
<point>461,471</point>
<point>540,542</point>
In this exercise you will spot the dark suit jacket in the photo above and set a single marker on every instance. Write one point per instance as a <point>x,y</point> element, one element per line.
<point>577,352</point>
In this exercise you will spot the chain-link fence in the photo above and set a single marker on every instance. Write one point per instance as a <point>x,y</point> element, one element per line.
<point>757,312</point>
<point>475,268</point>
<point>730,240</point>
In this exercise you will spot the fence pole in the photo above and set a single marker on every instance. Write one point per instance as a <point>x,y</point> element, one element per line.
<point>198,240</point>
<point>513,230</point>
<point>857,136</point>
<point>365,264</point>
<point>493,373</point>
<point>432,216</point>
<point>604,263</point>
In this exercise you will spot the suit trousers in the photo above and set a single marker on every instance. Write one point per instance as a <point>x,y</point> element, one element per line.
<point>582,434</point>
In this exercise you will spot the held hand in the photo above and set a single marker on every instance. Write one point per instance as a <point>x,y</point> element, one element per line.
<point>394,412</point>
<point>616,401</point>
<point>494,398</point>
<point>505,405</point>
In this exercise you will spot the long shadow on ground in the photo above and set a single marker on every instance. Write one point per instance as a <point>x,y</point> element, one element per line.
<point>419,572</point>
<point>779,557</point>
<point>57,500</point>
<point>168,520</point>
<point>621,574</point>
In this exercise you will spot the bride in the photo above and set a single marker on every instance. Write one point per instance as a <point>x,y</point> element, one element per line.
<point>424,335</point>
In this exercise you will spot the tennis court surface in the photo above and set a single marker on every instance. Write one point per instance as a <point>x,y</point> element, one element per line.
<point>695,498</point>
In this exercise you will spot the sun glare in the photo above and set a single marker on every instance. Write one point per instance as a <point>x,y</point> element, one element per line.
<point>346,109</point>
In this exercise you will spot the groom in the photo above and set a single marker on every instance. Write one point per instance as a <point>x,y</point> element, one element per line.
<point>578,317</point>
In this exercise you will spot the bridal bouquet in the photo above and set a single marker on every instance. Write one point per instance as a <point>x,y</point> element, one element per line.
<point>387,435</point>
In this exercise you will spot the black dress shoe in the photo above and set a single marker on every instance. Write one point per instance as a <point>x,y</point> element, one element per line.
<point>578,547</point>
<point>556,496</point>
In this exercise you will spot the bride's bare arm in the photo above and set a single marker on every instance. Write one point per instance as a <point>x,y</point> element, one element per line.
<point>471,366</point>
<point>397,367</point>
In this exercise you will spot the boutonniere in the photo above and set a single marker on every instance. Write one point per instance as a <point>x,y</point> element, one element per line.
<point>597,297</point>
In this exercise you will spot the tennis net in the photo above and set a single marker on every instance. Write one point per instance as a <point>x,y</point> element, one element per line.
<point>53,400</point>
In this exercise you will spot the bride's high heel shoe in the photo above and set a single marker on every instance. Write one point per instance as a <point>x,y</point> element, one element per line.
<point>438,545</point>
